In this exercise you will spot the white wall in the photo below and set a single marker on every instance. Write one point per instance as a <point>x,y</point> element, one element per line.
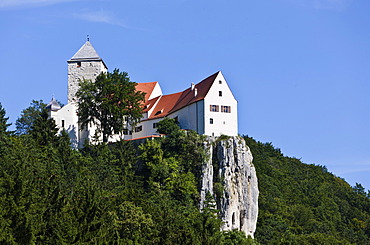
<point>68,114</point>
<point>157,91</point>
<point>191,117</point>
<point>147,128</point>
<point>223,123</point>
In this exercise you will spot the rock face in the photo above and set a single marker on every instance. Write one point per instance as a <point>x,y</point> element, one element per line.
<point>230,177</point>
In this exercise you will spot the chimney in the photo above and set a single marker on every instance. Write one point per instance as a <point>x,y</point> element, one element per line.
<point>195,92</point>
<point>192,86</point>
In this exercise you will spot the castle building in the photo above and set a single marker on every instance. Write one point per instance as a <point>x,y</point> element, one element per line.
<point>208,107</point>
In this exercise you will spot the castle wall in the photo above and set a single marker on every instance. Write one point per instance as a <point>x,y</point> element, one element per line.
<point>79,70</point>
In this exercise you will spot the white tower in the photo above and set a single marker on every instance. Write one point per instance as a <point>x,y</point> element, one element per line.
<point>85,64</point>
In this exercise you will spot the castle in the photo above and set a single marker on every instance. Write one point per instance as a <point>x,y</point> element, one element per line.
<point>207,107</point>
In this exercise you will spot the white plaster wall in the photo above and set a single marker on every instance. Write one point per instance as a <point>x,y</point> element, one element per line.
<point>223,123</point>
<point>147,128</point>
<point>157,91</point>
<point>188,117</point>
<point>68,113</point>
<point>88,70</point>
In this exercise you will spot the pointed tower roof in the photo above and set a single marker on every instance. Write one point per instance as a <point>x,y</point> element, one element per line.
<point>53,105</point>
<point>86,52</point>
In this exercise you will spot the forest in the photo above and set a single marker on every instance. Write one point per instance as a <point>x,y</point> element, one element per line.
<point>127,193</point>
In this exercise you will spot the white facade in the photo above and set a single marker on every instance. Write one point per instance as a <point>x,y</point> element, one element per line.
<point>208,107</point>
<point>225,119</point>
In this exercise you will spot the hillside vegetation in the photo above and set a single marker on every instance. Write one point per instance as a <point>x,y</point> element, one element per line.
<point>149,193</point>
<point>103,194</point>
<point>306,204</point>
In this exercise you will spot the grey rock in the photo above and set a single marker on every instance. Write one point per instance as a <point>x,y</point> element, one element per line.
<point>230,163</point>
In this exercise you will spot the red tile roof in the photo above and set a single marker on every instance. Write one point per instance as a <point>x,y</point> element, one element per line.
<point>149,104</point>
<point>147,88</point>
<point>170,103</point>
<point>165,104</point>
<point>188,97</point>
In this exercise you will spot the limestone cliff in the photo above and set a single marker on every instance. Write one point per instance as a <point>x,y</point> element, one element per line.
<point>229,175</point>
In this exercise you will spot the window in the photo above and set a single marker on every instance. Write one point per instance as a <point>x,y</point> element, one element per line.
<point>62,123</point>
<point>79,64</point>
<point>139,129</point>
<point>127,132</point>
<point>220,93</point>
<point>226,109</point>
<point>211,121</point>
<point>154,125</point>
<point>158,112</point>
<point>214,108</point>
<point>219,82</point>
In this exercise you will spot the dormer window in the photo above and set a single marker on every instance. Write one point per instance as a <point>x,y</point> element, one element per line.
<point>79,64</point>
<point>158,112</point>
<point>220,93</point>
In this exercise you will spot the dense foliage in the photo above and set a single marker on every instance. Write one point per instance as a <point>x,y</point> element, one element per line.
<point>103,194</point>
<point>28,115</point>
<point>149,193</point>
<point>111,102</point>
<point>306,204</point>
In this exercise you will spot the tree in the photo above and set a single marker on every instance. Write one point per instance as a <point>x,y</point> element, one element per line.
<point>44,130</point>
<point>167,126</point>
<point>28,116</point>
<point>4,134</point>
<point>111,103</point>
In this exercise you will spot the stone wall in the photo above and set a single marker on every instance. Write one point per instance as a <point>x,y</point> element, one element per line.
<point>82,70</point>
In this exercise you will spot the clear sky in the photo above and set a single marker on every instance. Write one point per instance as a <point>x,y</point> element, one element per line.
<point>300,69</point>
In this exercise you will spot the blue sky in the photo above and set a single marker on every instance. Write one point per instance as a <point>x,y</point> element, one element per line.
<point>300,69</point>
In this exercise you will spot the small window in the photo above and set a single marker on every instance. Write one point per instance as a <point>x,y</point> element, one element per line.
<point>214,108</point>
<point>220,93</point>
<point>154,125</point>
<point>79,64</point>
<point>139,129</point>
<point>211,121</point>
<point>158,112</point>
<point>226,109</point>
<point>62,123</point>
<point>219,82</point>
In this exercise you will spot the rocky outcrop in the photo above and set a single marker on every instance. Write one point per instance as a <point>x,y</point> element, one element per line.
<point>230,177</point>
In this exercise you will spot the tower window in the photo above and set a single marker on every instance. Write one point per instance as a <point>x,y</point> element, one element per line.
<point>79,64</point>
<point>220,93</point>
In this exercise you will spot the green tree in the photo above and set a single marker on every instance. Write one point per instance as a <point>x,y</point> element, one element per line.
<point>44,130</point>
<point>111,102</point>
<point>28,116</point>
<point>4,134</point>
<point>167,126</point>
